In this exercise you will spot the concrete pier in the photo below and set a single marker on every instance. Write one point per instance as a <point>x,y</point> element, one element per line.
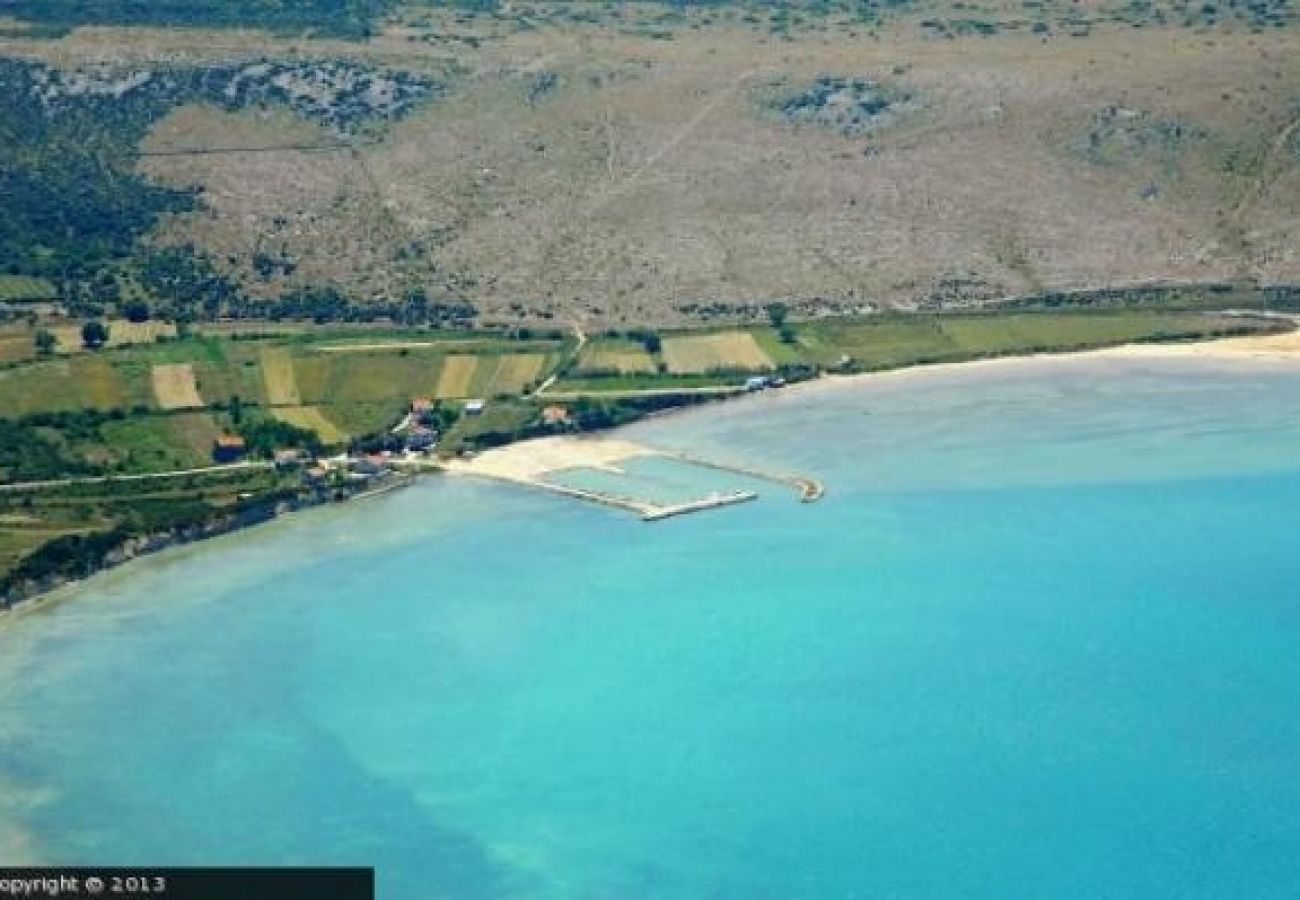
<point>649,512</point>
<point>810,489</point>
<point>713,501</point>
<point>532,463</point>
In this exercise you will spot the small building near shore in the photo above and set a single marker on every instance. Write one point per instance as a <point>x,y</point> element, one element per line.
<point>421,438</point>
<point>757,383</point>
<point>229,448</point>
<point>556,415</point>
<point>316,475</point>
<point>474,407</point>
<point>289,459</point>
<point>421,410</point>
<point>367,465</point>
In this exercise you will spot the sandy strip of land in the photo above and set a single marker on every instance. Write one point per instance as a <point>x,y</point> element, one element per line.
<point>535,459</point>
<point>1274,348</point>
<point>1278,347</point>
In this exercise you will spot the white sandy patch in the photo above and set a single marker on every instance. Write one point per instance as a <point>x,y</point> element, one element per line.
<point>535,459</point>
<point>1265,346</point>
<point>1283,348</point>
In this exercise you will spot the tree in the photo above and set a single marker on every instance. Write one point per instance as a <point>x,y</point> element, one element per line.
<point>45,342</point>
<point>652,343</point>
<point>776,314</point>
<point>137,311</point>
<point>94,334</point>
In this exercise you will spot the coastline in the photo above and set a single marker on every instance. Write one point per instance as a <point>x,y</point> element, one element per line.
<point>527,460</point>
<point>51,591</point>
<point>1275,348</point>
<point>533,459</point>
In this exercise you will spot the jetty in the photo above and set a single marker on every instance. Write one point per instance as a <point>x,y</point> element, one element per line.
<point>645,509</point>
<point>533,463</point>
<point>810,489</point>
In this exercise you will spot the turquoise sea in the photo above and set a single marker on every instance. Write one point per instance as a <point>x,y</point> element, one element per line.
<point>1040,640</point>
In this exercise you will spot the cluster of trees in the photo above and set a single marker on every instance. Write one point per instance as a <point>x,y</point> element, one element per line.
<point>73,201</point>
<point>1215,295</point>
<point>265,436</point>
<point>91,296</point>
<point>777,314</point>
<point>33,451</point>
<point>80,555</point>
<point>187,287</point>
<point>75,204</point>
<point>350,19</point>
<point>186,284</point>
<point>328,304</point>
<point>70,556</point>
<point>648,339</point>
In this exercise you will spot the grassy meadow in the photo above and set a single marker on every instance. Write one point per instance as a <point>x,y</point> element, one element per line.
<point>174,396</point>
<point>698,360</point>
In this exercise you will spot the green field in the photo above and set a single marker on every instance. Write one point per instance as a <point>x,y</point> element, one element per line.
<point>18,288</point>
<point>900,340</point>
<point>340,384</point>
<point>883,342</point>
<point>98,412</point>
<point>619,383</point>
<point>346,387</point>
<point>31,520</point>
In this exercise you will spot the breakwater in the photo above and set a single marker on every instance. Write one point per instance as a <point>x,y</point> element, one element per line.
<point>533,463</point>
<point>810,489</point>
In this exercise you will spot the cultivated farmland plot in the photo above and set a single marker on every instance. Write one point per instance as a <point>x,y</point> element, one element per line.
<point>516,373</point>
<point>457,376</point>
<point>697,354</point>
<point>278,377</point>
<point>623,361</point>
<point>16,347</point>
<point>120,334</point>
<point>311,418</point>
<point>175,387</point>
<point>20,288</point>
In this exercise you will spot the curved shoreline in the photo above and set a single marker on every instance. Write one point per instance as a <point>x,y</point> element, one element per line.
<point>606,449</point>
<point>142,547</point>
<point>1280,348</point>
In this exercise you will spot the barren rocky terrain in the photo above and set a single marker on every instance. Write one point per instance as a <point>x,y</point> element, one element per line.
<point>629,170</point>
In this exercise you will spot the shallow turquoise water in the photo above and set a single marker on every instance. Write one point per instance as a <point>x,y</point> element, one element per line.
<point>1040,640</point>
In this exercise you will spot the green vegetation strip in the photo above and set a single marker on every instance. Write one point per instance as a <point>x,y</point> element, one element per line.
<point>95,414</point>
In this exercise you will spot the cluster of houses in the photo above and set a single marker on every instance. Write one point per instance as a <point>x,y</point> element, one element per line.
<point>419,425</point>
<point>419,436</point>
<point>352,471</point>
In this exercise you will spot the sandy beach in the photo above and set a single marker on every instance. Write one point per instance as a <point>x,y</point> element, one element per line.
<point>1273,348</point>
<point>533,460</point>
